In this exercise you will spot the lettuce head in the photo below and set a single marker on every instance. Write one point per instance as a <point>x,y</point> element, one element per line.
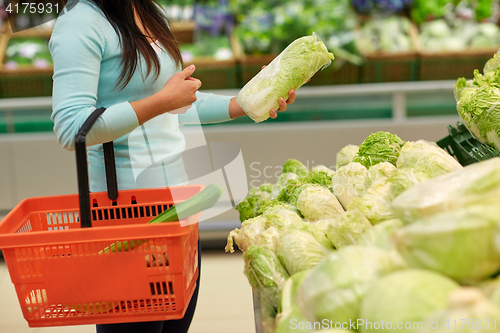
<point>459,243</point>
<point>349,182</point>
<point>333,290</point>
<point>289,70</point>
<point>346,155</point>
<point>379,147</point>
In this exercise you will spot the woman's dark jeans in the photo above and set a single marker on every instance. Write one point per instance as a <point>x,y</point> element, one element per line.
<point>169,326</point>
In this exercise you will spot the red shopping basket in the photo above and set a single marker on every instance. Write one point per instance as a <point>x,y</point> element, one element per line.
<point>68,274</point>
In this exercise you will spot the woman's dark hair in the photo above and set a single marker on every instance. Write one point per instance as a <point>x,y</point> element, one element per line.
<point>120,13</point>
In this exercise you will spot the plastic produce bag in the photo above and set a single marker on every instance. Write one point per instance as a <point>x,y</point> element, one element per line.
<point>289,70</point>
<point>345,229</point>
<point>333,290</point>
<point>478,183</point>
<point>349,182</point>
<point>245,236</point>
<point>375,203</point>
<point>459,243</point>
<point>380,235</point>
<point>427,157</point>
<point>406,296</point>
<point>316,203</point>
<point>466,303</point>
<point>298,250</point>
<point>265,273</point>
<point>346,155</point>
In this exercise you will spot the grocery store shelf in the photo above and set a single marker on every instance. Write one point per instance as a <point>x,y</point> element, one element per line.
<point>398,91</point>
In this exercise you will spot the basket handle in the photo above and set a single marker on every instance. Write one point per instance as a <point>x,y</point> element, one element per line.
<point>82,169</point>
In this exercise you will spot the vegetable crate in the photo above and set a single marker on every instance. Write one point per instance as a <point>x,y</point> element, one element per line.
<point>119,270</point>
<point>449,66</point>
<point>216,74</point>
<point>467,150</point>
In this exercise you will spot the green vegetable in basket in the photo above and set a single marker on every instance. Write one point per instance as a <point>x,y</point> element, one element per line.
<point>334,288</point>
<point>459,243</point>
<point>202,200</point>
<point>406,296</point>
<point>346,155</point>
<point>379,147</point>
<point>465,303</point>
<point>290,70</point>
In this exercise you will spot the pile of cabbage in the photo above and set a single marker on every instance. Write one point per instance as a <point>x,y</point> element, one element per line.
<point>478,102</point>
<point>395,232</point>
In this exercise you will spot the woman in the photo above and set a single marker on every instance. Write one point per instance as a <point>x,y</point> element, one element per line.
<point>120,54</point>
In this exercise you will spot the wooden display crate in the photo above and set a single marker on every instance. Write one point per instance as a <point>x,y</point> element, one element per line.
<point>27,81</point>
<point>392,66</point>
<point>215,74</point>
<point>451,65</point>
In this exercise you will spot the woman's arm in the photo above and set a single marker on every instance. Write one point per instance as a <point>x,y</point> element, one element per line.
<point>179,91</point>
<point>77,46</point>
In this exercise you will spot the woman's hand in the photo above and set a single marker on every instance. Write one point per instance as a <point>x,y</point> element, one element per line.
<point>176,96</point>
<point>180,91</point>
<point>283,104</point>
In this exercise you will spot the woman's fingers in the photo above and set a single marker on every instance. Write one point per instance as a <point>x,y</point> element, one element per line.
<point>273,114</point>
<point>291,96</point>
<point>282,104</point>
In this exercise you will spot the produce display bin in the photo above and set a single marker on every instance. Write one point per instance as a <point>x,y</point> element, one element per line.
<point>91,258</point>
<point>467,150</point>
<point>450,66</point>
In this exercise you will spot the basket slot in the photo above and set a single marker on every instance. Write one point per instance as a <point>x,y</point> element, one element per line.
<point>26,227</point>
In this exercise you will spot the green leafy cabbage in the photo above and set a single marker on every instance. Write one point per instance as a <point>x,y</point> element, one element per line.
<point>289,70</point>
<point>346,155</point>
<point>465,303</point>
<point>478,183</point>
<point>406,296</point>
<point>380,235</point>
<point>379,147</point>
<point>426,157</point>
<point>459,243</point>
<point>316,203</point>
<point>333,290</point>
<point>346,228</point>
<point>349,182</point>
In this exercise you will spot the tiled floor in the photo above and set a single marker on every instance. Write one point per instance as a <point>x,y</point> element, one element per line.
<point>224,303</point>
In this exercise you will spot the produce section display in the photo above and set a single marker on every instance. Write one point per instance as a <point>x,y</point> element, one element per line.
<point>391,232</point>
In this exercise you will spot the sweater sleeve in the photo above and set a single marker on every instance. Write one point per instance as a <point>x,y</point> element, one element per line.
<point>77,46</point>
<point>208,108</point>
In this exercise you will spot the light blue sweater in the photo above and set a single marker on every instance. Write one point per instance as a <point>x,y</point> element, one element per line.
<point>86,54</point>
